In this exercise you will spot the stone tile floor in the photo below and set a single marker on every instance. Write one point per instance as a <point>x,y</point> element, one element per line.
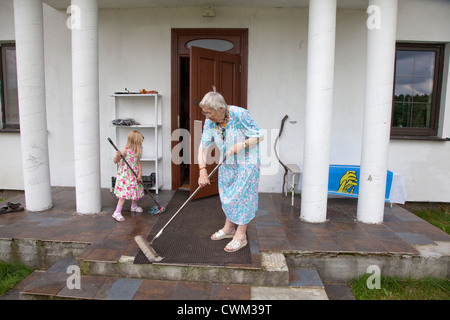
<point>277,227</point>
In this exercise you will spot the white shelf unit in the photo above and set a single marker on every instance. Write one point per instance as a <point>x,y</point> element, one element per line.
<point>131,105</point>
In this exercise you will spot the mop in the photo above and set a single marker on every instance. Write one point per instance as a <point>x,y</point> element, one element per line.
<point>155,209</point>
<point>146,246</point>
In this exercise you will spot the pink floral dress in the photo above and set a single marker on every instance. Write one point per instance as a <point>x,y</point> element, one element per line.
<point>127,186</point>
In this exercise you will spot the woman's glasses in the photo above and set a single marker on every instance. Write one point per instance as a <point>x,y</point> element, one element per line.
<point>208,114</point>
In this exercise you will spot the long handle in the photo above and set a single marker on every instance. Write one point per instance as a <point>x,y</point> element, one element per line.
<point>112,143</point>
<point>184,204</point>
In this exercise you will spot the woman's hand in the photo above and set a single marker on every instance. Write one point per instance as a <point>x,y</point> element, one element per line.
<point>203,178</point>
<point>235,149</point>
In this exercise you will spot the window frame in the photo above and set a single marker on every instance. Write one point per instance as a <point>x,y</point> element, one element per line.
<point>4,126</point>
<point>432,131</point>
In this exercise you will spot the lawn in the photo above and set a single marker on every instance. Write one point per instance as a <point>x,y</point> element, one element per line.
<point>402,289</point>
<point>11,274</point>
<point>436,213</point>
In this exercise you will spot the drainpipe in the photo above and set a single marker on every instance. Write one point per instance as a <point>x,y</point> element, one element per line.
<point>381,35</point>
<point>29,33</point>
<point>319,100</point>
<point>86,106</point>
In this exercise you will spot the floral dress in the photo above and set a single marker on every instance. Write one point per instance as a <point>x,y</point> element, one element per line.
<point>239,175</point>
<point>127,186</point>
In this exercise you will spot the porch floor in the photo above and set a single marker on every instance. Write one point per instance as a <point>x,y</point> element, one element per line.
<point>276,228</point>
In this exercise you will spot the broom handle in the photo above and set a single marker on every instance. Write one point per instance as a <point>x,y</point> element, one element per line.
<point>112,143</point>
<point>189,199</point>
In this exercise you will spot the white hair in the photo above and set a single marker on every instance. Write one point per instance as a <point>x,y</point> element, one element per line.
<point>213,100</point>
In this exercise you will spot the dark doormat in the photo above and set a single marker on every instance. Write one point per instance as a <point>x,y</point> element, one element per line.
<point>186,240</point>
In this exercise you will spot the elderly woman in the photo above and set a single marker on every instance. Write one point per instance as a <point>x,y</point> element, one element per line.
<point>237,136</point>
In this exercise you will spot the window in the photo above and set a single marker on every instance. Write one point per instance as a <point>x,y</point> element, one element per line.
<point>8,88</point>
<point>417,90</point>
<point>211,44</point>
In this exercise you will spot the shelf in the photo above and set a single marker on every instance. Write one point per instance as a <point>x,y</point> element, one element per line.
<point>148,125</point>
<point>154,187</point>
<point>151,159</point>
<point>141,114</point>
<point>135,95</point>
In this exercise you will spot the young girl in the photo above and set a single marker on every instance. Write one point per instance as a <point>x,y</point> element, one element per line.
<point>127,186</point>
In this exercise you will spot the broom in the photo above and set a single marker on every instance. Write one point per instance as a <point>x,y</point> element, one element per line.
<point>146,246</point>
<point>155,209</point>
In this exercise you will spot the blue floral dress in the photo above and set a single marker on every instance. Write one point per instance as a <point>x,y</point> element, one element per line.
<point>127,186</point>
<point>239,175</point>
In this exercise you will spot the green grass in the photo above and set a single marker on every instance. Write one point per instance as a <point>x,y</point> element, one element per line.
<point>402,289</point>
<point>438,214</point>
<point>11,274</point>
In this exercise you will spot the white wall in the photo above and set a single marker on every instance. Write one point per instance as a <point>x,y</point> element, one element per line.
<point>425,164</point>
<point>135,48</point>
<point>274,88</point>
<point>11,176</point>
<point>271,86</point>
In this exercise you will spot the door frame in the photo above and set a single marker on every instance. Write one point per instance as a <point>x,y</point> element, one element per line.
<point>239,37</point>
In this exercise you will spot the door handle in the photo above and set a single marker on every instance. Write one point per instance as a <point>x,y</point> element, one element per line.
<point>195,102</point>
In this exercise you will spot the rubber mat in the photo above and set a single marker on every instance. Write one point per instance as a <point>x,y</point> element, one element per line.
<point>186,240</point>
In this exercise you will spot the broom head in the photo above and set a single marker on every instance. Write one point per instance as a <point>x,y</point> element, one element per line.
<point>147,249</point>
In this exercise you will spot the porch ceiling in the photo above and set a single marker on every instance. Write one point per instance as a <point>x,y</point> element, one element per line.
<point>344,4</point>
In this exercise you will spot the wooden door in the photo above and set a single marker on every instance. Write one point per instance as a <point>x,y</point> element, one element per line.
<point>210,68</point>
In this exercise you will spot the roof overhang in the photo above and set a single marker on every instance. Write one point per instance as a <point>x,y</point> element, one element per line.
<point>344,4</point>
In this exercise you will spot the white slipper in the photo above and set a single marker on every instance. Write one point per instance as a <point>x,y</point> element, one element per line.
<point>118,216</point>
<point>235,245</point>
<point>219,235</point>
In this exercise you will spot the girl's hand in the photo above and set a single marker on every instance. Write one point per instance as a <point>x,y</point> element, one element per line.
<point>117,157</point>
<point>203,178</point>
<point>139,173</point>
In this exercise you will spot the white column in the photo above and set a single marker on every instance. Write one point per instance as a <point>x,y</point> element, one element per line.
<point>28,18</point>
<point>381,36</point>
<point>319,100</point>
<point>86,105</point>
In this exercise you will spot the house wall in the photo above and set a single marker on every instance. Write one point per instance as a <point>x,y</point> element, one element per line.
<point>425,164</point>
<point>11,176</point>
<point>134,52</point>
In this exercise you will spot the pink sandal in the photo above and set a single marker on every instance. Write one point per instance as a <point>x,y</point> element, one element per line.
<point>118,216</point>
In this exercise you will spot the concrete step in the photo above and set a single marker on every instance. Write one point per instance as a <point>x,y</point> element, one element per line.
<point>56,286</point>
<point>270,270</point>
<point>64,281</point>
<point>304,284</point>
